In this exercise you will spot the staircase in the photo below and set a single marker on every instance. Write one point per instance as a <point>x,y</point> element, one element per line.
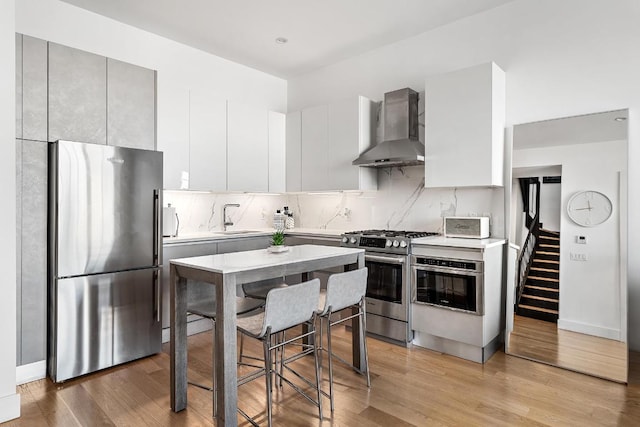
<point>541,291</point>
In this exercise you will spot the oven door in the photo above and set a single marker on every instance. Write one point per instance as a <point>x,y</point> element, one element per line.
<point>387,293</point>
<point>449,288</point>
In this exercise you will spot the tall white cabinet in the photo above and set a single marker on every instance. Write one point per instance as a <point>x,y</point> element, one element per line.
<point>328,138</point>
<point>464,127</point>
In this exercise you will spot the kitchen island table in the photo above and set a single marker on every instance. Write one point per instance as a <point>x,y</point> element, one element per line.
<point>225,272</point>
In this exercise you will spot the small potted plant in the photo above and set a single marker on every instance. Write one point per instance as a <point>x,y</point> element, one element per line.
<point>277,242</point>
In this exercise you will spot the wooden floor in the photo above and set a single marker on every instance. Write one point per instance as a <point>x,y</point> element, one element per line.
<point>410,387</point>
<point>544,341</point>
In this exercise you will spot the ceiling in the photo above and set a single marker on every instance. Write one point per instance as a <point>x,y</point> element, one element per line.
<point>588,128</point>
<point>319,33</point>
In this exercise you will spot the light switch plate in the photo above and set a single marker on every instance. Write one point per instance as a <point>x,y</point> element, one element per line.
<point>581,240</point>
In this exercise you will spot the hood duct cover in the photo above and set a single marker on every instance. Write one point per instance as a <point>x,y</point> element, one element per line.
<point>400,146</point>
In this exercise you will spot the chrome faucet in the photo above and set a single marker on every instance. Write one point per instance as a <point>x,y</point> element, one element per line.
<point>224,214</point>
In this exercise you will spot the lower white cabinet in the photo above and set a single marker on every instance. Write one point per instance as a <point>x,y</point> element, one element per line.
<point>470,336</point>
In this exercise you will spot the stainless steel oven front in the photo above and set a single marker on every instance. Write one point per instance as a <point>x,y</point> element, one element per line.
<point>388,296</point>
<point>455,284</point>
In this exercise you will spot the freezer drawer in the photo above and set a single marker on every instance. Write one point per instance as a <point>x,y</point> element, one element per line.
<point>103,320</point>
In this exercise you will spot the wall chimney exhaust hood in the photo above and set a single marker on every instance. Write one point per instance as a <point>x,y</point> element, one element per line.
<point>400,146</point>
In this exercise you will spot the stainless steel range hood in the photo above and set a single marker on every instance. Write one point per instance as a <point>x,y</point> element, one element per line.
<point>400,146</point>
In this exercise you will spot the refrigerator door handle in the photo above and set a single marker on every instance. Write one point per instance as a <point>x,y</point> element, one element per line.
<point>157,232</point>
<point>157,297</point>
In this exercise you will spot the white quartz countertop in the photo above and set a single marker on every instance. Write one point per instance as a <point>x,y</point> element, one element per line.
<point>254,232</point>
<point>236,262</point>
<point>456,242</point>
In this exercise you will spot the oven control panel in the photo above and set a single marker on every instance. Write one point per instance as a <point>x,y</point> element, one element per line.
<point>448,263</point>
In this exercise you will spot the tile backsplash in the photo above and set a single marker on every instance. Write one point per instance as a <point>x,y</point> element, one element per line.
<point>401,202</point>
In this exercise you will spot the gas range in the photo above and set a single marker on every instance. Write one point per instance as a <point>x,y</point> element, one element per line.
<point>385,241</point>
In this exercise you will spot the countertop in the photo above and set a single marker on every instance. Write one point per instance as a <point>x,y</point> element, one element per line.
<point>456,242</point>
<point>235,262</point>
<point>253,232</point>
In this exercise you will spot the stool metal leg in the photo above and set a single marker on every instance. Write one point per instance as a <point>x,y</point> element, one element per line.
<point>363,338</point>
<point>330,357</point>
<point>268,372</point>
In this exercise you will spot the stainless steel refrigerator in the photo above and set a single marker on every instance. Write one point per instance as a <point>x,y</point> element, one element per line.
<point>104,254</point>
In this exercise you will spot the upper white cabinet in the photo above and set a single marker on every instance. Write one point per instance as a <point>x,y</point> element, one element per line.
<point>331,137</point>
<point>173,136</point>
<point>207,142</point>
<point>293,151</point>
<point>247,148</point>
<point>277,152</point>
<point>314,149</point>
<point>464,127</point>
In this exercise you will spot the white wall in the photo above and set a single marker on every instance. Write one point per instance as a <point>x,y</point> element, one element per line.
<point>9,400</point>
<point>561,59</point>
<point>590,292</point>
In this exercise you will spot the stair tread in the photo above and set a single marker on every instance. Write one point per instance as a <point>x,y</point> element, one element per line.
<point>546,245</point>
<point>546,261</point>
<point>546,279</point>
<point>548,270</point>
<point>547,253</point>
<point>542,288</point>
<point>550,237</point>
<point>536,297</point>
<point>532,308</point>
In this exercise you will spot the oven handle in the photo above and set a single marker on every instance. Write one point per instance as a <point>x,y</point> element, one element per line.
<point>385,259</point>
<point>458,271</point>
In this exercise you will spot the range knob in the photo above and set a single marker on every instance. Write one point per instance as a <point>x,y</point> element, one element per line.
<point>352,240</point>
<point>403,244</point>
<point>396,243</point>
<point>388,243</point>
<point>345,239</point>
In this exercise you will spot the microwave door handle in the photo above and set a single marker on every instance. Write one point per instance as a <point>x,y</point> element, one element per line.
<point>385,259</point>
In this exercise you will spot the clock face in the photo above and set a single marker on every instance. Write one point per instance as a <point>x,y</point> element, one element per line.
<point>589,208</point>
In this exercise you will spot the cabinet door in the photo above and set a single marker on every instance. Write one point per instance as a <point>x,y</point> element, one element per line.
<point>34,89</point>
<point>77,95</point>
<point>32,235</point>
<point>350,133</point>
<point>314,151</point>
<point>293,151</point>
<point>131,105</point>
<point>277,159</point>
<point>464,127</point>
<point>207,142</point>
<point>173,135</point>
<point>18,85</point>
<point>247,148</point>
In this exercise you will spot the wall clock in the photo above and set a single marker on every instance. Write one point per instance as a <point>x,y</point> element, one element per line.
<point>589,208</point>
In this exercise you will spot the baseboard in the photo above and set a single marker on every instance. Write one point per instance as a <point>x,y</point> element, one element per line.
<point>585,328</point>
<point>9,407</point>
<point>31,372</point>
<point>193,328</point>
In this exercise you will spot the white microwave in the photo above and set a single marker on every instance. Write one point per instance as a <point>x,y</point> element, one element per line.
<point>472,227</point>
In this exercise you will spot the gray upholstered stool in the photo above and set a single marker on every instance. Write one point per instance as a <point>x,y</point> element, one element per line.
<point>285,308</point>
<point>344,290</point>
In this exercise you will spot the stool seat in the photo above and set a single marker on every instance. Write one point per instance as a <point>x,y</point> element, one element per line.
<point>260,291</point>
<point>207,307</point>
